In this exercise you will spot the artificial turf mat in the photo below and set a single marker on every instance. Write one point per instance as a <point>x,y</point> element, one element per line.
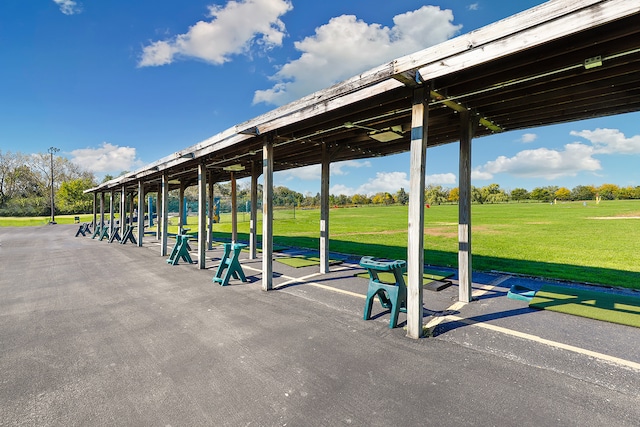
<point>304,261</point>
<point>275,248</point>
<point>428,276</point>
<point>613,308</point>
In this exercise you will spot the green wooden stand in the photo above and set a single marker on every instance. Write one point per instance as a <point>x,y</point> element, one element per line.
<point>230,263</point>
<point>128,236</point>
<point>81,230</point>
<point>104,233</point>
<point>97,231</point>
<point>115,236</point>
<point>180,250</point>
<point>392,296</point>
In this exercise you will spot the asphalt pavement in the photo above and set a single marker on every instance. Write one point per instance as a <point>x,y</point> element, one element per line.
<point>95,334</point>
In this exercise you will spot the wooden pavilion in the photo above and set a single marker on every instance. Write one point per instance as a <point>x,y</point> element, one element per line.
<point>558,62</point>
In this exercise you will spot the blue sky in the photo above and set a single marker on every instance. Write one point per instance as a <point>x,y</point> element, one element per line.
<point>116,84</point>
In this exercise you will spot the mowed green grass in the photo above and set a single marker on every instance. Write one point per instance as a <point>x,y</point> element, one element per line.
<point>569,241</point>
<point>16,221</point>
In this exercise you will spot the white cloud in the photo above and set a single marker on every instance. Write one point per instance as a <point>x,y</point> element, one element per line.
<point>528,137</point>
<point>478,174</point>
<point>68,7</point>
<point>313,172</point>
<point>106,158</point>
<point>341,168</point>
<point>231,30</point>
<point>473,6</point>
<point>441,178</point>
<point>543,163</point>
<point>346,46</point>
<point>338,189</point>
<point>573,159</point>
<point>305,173</point>
<point>610,141</point>
<point>389,182</point>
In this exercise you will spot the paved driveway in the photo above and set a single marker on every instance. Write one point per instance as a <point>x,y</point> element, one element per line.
<point>93,333</point>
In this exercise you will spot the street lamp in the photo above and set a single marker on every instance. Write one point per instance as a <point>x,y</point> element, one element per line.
<point>51,151</point>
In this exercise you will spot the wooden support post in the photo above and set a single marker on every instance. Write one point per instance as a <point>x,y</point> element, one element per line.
<point>267,215</point>
<point>202,215</point>
<point>123,210</point>
<point>158,210</point>
<point>415,244</point>
<point>165,214</point>
<point>324,211</point>
<point>101,210</point>
<point>181,214</point>
<point>467,129</point>
<point>253,221</point>
<point>112,211</point>
<point>140,212</point>
<point>131,208</point>
<point>210,215</point>
<point>234,210</point>
<point>95,210</point>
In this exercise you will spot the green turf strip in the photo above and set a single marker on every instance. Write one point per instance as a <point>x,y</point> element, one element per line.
<point>275,248</point>
<point>427,277</point>
<point>613,308</point>
<point>304,261</point>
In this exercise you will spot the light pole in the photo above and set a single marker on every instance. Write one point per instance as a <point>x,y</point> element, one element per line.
<point>53,206</point>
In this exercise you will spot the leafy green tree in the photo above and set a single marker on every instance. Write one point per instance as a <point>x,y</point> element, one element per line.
<point>628,192</point>
<point>343,200</point>
<point>454,195</point>
<point>541,194</point>
<point>563,193</point>
<point>312,200</point>
<point>519,194</point>
<point>71,197</point>
<point>283,196</point>
<point>476,195</point>
<point>360,199</point>
<point>583,192</point>
<point>492,193</point>
<point>382,198</point>
<point>435,195</point>
<point>608,191</point>
<point>23,183</point>
<point>402,197</point>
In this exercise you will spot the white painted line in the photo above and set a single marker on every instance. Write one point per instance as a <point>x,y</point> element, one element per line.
<point>302,279</point>
<point>342,291</point>
<point>483,289</point>
<point>458,305</point>
<point>317,285</point>
<point>535,338</point>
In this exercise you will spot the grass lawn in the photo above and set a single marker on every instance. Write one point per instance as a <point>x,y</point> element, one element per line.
<point>16,221</point>
<point>570,241</point>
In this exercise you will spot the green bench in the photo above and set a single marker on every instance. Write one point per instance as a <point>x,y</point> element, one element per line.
<point>392,296</point>
<point>231,264</point>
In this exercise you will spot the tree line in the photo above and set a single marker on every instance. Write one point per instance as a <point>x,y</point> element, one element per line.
<point>25,188</point>
<point>437,194</point>
<point>25,185</point>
